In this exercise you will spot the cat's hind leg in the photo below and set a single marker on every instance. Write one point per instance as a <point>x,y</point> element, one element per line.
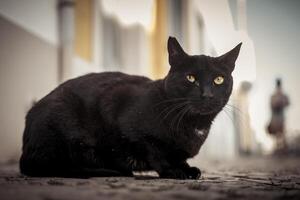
<point>44,156</point>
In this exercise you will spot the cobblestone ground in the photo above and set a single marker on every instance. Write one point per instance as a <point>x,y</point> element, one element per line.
<point>247,178</point>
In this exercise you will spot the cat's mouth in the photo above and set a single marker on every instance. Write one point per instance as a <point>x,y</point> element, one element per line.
<point>198,111</point>
<point>205,109</point>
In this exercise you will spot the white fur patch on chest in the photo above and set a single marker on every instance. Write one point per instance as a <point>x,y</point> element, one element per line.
<point>201,132</point>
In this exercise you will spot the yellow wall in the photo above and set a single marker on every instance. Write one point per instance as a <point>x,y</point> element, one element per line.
<point>159,40</point>
<point>83,29</point>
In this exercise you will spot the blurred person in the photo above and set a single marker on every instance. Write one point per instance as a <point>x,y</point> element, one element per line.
<point>276,127</point>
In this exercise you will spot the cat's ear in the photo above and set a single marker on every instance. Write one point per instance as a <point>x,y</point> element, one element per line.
<point>176,53</point>
<point>230,57</point>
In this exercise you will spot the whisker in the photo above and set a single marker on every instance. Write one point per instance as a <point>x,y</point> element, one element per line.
<point>239,117</point>
<point>236,110</point>
<point>169,100</point>
<point>175,108</point>
<point>166,109</point>
<point>172,108</point>
<point>233,106</point>
<point>228,115</point>
<point>182,116</point>
<point>174,119</point>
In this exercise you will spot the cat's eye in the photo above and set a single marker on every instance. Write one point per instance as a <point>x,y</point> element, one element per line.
<point>191,78</point>
<point>219,80</point>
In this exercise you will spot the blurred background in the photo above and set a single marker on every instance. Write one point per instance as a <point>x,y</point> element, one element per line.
<point>45,42</point>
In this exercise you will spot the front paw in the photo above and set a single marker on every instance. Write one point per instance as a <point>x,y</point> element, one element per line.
<point>193,173</point>
<point>174,174</point>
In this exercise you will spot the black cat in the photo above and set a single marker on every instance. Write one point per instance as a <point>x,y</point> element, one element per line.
<point>111,124</point>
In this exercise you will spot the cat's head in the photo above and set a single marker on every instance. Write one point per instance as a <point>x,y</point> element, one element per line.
<point>203,83</point>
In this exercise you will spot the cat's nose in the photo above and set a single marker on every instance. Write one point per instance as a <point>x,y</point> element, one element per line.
<point>207,93</point>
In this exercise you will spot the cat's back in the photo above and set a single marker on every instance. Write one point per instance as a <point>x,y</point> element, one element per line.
<point>87,90</point>
<point>103,84</point>
<point>105,80</point>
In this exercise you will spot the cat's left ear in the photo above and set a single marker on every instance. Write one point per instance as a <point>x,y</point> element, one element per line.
<point>230,57</point>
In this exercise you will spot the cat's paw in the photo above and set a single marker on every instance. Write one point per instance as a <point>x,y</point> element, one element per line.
<point>193,173</point>
<point>174,174</point>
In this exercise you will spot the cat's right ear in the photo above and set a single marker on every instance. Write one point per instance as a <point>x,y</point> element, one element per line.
<point>176,53</point>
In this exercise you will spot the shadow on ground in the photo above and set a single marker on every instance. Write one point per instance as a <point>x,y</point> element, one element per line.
<point>247,178</point>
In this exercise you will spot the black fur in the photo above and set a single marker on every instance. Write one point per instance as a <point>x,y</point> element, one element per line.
<point>110,124</point>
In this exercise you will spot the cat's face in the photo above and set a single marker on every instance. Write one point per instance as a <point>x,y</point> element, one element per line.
<point>201,83</point>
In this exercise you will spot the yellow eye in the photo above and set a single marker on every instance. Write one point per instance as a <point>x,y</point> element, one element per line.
<point>190,78</point>
<point>219,80</point>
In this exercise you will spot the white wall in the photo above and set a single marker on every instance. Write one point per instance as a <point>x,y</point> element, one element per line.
<point>28,65</point>
<point>36,16</point>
